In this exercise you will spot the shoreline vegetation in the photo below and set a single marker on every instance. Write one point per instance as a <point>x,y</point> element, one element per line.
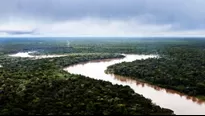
<point>42,87</point>
<point>181,69</point>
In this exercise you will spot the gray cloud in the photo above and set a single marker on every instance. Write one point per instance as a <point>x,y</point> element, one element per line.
<point>15,32</point>
<point>181,14</point>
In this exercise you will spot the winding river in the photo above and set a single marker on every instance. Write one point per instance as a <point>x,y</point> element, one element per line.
<point>178,102</point>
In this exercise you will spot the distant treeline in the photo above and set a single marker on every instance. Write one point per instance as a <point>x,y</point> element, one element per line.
<point>88,45</point>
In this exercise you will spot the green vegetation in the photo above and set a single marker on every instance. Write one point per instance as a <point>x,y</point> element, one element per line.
<point>92,45</point>
<point>40,86</point>
<point>35,87</point>
<point>179,68</point>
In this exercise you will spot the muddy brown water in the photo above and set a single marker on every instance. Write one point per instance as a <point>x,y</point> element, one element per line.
<point>176,101</point>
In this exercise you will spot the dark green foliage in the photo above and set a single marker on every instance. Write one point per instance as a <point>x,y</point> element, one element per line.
<point>41,87</point>
<point>91,45</point>
<point>179,68</point>
<point>74,96</point>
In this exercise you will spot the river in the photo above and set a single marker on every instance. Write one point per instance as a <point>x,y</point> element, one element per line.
<point>28,55</point>
<point>180,103</point>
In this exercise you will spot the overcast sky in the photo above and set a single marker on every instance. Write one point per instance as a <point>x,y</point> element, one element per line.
<point>102,18</point>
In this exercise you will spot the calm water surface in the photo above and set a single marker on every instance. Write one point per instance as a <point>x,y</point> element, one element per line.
<point>178,102</point>
<point>28,55</point>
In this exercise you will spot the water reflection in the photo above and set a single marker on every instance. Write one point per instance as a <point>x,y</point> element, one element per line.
<point>178,102</point>
<point>142,84</point>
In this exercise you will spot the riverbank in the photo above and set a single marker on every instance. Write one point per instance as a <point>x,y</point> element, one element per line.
<point>179,103</point>
<point>41,87</point>
<point>181,70</point>
<point>111,71</point>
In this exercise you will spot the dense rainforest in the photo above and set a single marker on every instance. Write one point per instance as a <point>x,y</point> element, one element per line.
<point>92,45</point>
<point>41,86</point>
<point>179,68</point>
<point>33,87</point>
